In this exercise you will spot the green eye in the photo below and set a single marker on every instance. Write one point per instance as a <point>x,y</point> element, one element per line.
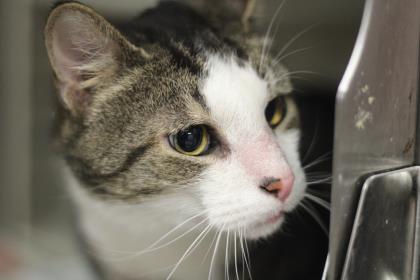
<point>275,111</point>
<point>193,141</point>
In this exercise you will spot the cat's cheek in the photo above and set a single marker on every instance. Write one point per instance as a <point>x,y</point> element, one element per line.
<point>233,200</point>
<point>297,194</point>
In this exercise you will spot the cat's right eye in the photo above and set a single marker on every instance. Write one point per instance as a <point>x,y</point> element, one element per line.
<point>193,141</point>
<point>275,111</point>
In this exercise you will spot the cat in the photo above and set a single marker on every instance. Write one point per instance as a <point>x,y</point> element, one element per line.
<point>180,135</point>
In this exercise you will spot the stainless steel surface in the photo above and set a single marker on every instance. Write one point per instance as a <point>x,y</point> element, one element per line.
<point>325,272</point>
<point>416,249</point>
<point>376,111</point>
<point>382,240</point>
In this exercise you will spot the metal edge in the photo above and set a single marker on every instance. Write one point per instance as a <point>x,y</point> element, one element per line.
<point>358,214</point>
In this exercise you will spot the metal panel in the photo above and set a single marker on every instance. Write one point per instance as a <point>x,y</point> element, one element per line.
<point>416,250</point>
<point>382,241</point>
<point>375,112</point>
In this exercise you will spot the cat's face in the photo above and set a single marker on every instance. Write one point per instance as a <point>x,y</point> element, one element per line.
<point>234,187</point>
<point>156,114</point>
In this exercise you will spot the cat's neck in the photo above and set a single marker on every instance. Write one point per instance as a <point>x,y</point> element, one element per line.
<point>123,238</point>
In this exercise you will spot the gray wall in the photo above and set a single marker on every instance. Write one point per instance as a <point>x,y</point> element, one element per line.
<point>16,111</point>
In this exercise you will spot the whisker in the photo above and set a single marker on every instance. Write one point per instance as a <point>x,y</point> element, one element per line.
<point>268,34</point>
<point>152,249</point>
<point>318,201</point>
<point>306,80</point>
<point>272,41</point>
<point>205,230</point>
<point>121,255</point>
<point>245,255</point>
<point>317,174</point>
<point>177,227</point>
<point>280,59</point>
<point>214,251</point>
<point>235,256</point>
<point>249,258</point>
<point>291,73</point>
<point>198,243</point>
<point>293,39</point>
<point>315,217</point>
<point>320,181</point>
<point>226,256</point>
<point>242,255</point>
<point>318,160</point>
<point>319,193</point>
<point>308,152</point>
<point>318,177</point>
<point>211,245</point>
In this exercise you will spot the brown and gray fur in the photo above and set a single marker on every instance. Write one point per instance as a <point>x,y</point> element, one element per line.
<point>150,88</point>
<point>123,91</point>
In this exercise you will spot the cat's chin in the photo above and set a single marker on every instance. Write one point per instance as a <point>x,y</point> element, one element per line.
<point>265,228</point>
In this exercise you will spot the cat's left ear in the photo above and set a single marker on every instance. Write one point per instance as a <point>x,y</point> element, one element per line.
<point>84,50</point>
<point>227,11</point>
<point>243,8</point>
<point>247,11</point>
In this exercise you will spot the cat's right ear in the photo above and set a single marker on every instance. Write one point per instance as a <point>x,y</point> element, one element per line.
<point>84,50</point>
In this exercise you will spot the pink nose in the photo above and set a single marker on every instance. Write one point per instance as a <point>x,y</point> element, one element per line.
<point>280,188</point>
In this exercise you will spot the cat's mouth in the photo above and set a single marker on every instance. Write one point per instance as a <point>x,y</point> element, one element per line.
<point>273,219</point>
<point>270,220</point>
<point>265,227</point>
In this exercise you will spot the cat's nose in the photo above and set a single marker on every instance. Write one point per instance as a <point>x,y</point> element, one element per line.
<point>280,188</point>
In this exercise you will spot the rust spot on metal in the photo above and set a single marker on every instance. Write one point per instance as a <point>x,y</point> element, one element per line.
<point>408,146</point>
<point>410,96</point>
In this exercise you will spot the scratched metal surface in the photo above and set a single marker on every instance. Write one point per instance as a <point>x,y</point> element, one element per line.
<point>375,111</point>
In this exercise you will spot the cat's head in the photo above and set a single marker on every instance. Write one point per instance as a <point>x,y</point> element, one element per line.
<point>172,108</point>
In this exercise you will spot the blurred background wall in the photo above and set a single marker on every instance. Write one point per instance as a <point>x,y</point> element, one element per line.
<point>34,210</point>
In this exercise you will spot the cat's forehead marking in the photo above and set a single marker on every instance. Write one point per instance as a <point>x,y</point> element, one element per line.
<point>235,95</point>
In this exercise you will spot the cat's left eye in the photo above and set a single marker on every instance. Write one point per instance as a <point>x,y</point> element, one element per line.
<point>192,141</point>
<point>275,111</point>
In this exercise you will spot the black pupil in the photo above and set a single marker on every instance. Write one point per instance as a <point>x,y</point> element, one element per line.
<point>190,139</point>
<point>270,109</point>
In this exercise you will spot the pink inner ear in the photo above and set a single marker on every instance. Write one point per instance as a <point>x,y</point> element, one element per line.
<point>77,43</point>
<point>65,66</point>
<point>80,51</point>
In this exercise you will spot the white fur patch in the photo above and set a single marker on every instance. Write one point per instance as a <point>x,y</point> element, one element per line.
<point>237,97</point>
<point>121,235</point>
